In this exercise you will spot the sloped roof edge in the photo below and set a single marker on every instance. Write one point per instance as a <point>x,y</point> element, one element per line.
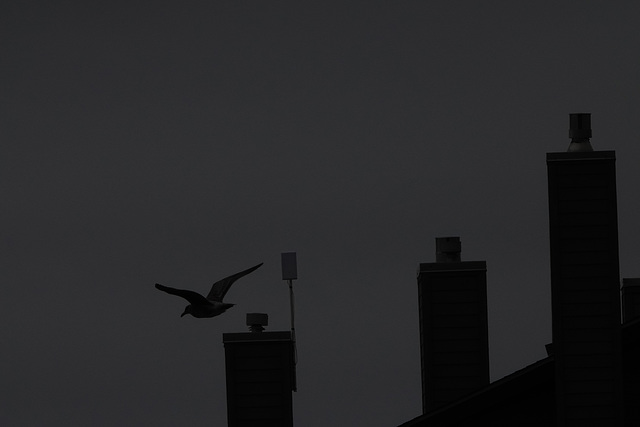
<point>506,387</point>
<point>493,394</point>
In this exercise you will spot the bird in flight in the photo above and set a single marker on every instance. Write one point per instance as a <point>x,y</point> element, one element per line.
<point>212,305</point>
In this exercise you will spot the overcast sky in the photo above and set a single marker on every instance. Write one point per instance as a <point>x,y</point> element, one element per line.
<point>180,142</point>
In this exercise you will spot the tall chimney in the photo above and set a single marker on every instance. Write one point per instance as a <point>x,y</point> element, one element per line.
<point>260,375</point>
<point>454,341</point>
<point>585,298</point>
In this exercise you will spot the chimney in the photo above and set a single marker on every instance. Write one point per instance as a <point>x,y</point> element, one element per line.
<point>453,325</point>
<point>585,298</point>
<point>630,299</point>
<point>260,371</point>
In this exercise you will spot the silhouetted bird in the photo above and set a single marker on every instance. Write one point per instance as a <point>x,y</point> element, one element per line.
<point>212,305</point>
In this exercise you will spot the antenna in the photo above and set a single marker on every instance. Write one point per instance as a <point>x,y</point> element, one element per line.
<point>290,273</point>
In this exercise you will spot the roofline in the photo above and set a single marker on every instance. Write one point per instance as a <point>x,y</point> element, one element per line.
<point>628,334</point>
<point>482,393</point>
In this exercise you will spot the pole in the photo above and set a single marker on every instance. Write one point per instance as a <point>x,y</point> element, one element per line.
<point>293,327</point>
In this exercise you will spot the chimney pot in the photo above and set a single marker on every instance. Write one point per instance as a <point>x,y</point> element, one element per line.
<point>448,249</point>
<point>580,132</point>
<point>257,321</point>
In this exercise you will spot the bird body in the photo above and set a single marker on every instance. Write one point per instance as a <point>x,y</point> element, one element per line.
<point>212,309</point>
<point>212,305</point>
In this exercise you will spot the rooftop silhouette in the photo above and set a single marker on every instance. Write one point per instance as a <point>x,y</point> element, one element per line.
<point>590,375</point>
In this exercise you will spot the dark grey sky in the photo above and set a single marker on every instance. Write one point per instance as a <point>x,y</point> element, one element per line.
<point>178,142</point>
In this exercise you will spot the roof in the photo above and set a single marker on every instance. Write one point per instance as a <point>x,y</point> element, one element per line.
<point>536,375</point>
<point>539,377</point>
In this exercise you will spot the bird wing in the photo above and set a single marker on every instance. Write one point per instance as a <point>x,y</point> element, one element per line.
<point>191,296</point>
<point>220,288</point>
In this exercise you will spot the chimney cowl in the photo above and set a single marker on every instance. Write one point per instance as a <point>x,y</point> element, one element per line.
<point>580,132</point>
<point>257,321</point>
<point>448,249</point>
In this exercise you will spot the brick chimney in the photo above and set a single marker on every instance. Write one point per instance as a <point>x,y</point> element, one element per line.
<point>260,374</point>
<point>453,325</point>
<point>585,294</point>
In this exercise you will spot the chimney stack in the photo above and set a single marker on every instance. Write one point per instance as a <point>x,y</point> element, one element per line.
<point>260,375</point>
<point>454,342</point>
<point>585,295</point>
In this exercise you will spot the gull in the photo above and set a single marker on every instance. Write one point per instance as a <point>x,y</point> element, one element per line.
<point>212,305</point>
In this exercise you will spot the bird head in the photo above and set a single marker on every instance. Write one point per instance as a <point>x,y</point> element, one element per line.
<point>187,310</point>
